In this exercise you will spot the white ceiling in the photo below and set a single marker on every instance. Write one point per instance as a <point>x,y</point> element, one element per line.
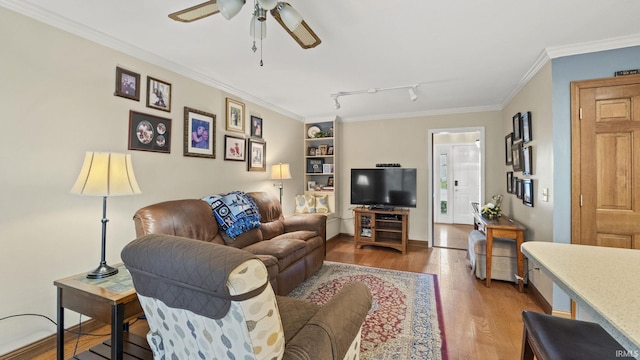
<point>466,55</point>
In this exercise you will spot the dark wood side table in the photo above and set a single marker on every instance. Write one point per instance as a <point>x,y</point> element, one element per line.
<point>502,227</point>
<point>110,300</point>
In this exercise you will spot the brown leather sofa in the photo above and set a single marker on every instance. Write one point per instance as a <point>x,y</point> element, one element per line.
<point>292,248</point>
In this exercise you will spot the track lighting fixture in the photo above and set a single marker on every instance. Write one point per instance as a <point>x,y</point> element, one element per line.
<point>336,104</point>
<point>412,93</point>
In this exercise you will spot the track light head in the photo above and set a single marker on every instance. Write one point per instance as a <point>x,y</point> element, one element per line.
<point>412,93</point>
<point>336,104</point>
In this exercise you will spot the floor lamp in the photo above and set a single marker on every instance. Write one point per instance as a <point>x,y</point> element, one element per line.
<point>105,174</point>
<point>280,172</point>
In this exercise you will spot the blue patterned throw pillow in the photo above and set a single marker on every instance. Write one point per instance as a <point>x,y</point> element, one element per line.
<point>236,212</point>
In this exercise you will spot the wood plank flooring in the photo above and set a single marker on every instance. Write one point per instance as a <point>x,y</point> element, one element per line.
<point>480,323</point>
<point>452,236</point>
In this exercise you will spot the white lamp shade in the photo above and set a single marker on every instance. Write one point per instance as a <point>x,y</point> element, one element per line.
<point>290,17</point>
<point>280,171</point>
<point>258,29</point>
<point>230,8</point>
<point>268,4</point>
<point>106,174</point>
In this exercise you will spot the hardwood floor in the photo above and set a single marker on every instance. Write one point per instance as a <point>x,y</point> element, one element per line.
<point>480,323</point>
<point>453,236</point>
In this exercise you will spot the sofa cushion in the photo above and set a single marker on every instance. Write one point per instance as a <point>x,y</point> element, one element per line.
<point>305,204</point>
<point>236,212</point>
<point>243,240</point>
<point>287,251</point>
<point>299,235</point>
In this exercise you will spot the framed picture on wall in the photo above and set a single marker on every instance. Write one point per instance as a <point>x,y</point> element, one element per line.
<point>257,155</point>
<point>508,143</point>
<point>235,116</point>
<point>158,94</point>
<point>526,127</point>
<point>234,148</point>
<point>527,192</point>
<point>510,182</point>
<point>256,127</point>
<point>517,127</point>
<point>516,155</point>
<point>199,133</point>
<point>519,188</point>
<point>127,84</point>
<point>526,160</point>
<point>149,132</point>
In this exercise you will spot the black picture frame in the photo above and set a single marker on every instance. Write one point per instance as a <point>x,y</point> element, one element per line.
<point>518,188</point>
<point>508,144</point>
<point>526,127</point>
<point>127,84</point>
<point>235,148</point>
<point>509,182</point>
<point>516,151</point>
<point>527,192</point>
<point>149,132</point>
<point>526,160</point>
<point>158,94</point>
<point>256,127</point>
<point>517,127</point>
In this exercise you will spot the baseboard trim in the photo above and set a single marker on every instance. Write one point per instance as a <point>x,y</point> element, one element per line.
<point>561,313</point>
<point>540,300</point>
<point>43,345</point>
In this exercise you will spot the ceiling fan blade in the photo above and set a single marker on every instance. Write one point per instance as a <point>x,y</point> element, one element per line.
<point>196,12</point>
<point>303,35</point>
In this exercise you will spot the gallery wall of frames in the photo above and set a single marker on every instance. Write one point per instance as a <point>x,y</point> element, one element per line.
<point>519,154</point>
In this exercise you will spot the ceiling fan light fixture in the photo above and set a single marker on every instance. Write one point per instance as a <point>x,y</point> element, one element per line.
<point>230,8</point>
<point>268,4</point>
<point>258,28</point>
<point>290,17</point>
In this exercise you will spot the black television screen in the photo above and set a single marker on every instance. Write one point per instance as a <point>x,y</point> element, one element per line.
<point>386,187</point>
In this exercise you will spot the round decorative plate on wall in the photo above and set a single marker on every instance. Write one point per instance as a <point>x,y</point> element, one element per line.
<point>313,130</point>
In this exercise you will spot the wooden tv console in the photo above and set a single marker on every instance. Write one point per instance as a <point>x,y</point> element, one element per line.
<point>388,228</point>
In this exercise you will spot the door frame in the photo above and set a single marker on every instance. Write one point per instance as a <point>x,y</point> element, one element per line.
<point>430,184</point>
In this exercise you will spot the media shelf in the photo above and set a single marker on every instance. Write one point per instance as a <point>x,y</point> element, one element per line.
<point>388,228</point>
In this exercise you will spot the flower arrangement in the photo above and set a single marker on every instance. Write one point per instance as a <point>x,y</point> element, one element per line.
<point>491,210</point>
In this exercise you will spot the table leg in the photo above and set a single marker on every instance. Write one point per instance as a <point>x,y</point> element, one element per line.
<point>117,336</point>
<point>520,256</point>
<point>60,327</point>
<point>489,251</point>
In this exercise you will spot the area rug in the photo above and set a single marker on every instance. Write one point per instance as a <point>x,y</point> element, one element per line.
<point>405,320</point>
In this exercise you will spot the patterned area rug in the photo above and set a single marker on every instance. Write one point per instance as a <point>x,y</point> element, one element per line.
<point>405,320</point>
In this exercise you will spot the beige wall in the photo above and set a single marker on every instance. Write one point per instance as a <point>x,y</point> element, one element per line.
<point>405,141</point>
<point>57,102</point>
<point>535,97</point>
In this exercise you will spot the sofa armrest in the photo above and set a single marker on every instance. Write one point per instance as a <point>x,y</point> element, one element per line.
<point>313,222</point>
<point>334,327</point>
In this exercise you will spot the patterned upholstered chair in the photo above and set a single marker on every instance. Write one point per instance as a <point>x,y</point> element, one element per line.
<point>208,301</point>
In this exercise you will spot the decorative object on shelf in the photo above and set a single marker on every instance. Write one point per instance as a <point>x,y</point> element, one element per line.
<point>280,172</point>
<point>235,116</point>
<point>127,84</point>
<point>256,127</point>
<point>312,131</point>
<point>329,182</point>
<point>508,145</point>
<point>517,127</point>
<point>311,151</point>
<point>491,210</point>
<point>314,166</point>
<point>149,132</point>
<point>527,192</point>
<point>330,150</point>
<point>310,185</point>
<point>327,168</point>
<point>199,133</point>
<point>158,94</point>
<point>234,148</point>
<point>105,174</point>
<point>526,127</point>
<point>257,155</point>
<point>322,149</point>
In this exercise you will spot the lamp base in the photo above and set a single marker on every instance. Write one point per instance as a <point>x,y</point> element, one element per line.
<point>102,271</point>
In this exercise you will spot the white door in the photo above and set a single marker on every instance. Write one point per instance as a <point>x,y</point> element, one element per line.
<point>466,182</point>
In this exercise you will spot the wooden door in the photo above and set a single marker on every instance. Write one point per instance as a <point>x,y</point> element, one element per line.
<point>606,162</point>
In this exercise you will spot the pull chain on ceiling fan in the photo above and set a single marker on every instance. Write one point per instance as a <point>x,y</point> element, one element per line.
<point>289,18</point>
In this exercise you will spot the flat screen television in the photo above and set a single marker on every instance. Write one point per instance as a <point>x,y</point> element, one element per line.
<point>384,187</point>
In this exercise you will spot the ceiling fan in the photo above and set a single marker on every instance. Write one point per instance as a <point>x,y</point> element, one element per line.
<point>284,14</point>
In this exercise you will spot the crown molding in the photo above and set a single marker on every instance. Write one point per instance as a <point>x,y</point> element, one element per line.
<point>101,38</point>
<point>554,52</point>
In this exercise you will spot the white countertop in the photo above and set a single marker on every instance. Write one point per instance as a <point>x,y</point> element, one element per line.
<point>603,281</point>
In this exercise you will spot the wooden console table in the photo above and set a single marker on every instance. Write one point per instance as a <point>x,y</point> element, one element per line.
<point>502,227</point>
<point>110,300</point>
